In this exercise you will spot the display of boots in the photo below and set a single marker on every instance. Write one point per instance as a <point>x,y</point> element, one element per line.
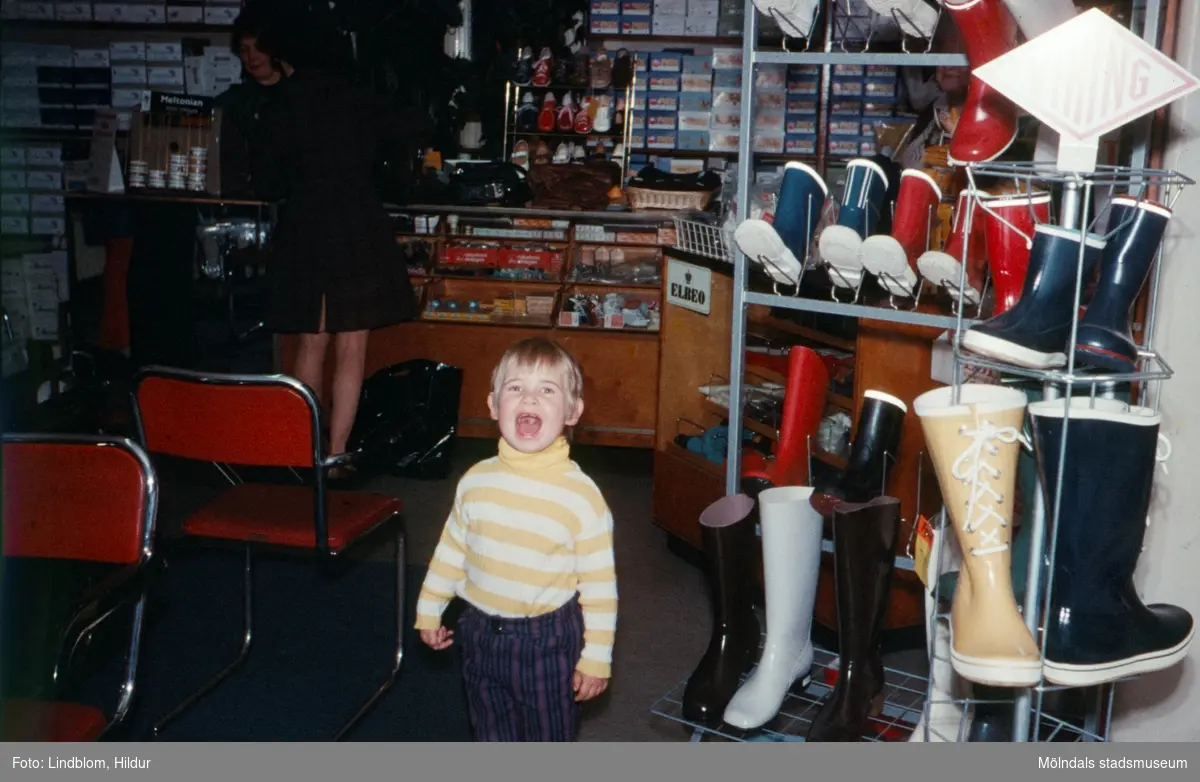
<point>803,406</point>
<point>1038,16</point>
<point>727,528</point>
<point>1098,630</point>
<point>942,720</point>
<point>1035,332</point>
<point>1008,223</point>
<point>546,117</point>
<point>943,268</point>
<point>893,258</point>
<point>781,246</point>
<point>988,124</point>
<point>916,18</point>
<point>791,549</point>
<point>797,18</point>
<point>875,446</point>
<point>1103,339</point>
<point>864,543</point>
<point>863,201</point>
<point>974,445</point>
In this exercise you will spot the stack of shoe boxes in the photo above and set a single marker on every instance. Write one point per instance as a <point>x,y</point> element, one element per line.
<point>635,17</point>
<point>862,96</point>
<point>695,103</point>
<point>726,100</point>
<point>662,100</point>
<point>770,109</point>
<point>31,189</point>
<point>803,100</point>
<point>666,18</point>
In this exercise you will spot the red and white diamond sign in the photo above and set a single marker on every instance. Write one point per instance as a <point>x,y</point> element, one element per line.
<point>1087,77</point>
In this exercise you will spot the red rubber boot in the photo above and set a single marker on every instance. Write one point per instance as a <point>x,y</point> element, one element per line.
<point>1009,223</point>
<point>988,124</point>
<point>803,406</point>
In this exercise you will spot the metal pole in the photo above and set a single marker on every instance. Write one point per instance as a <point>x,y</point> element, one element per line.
<point>737,338</point>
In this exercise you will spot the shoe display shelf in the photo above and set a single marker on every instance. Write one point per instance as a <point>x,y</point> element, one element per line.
<point>532,119</point>
<point>1055,709</point>
<point>1092,376</point>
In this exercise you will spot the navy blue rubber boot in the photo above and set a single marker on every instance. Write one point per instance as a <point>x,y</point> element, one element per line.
<point>1103,340</point>
<point>801,200</point>
<point>1097,629</point>
<point>1034,332</point>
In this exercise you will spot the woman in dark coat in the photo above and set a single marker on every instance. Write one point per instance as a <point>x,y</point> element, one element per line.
<point>338,272</point>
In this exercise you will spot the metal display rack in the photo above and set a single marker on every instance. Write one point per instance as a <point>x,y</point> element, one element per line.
<point>716,242</point>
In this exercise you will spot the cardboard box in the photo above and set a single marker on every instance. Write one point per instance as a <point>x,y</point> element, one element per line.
<point>700,26</point>
<point>666,62</point>
<point>73,12</point>
<point>693,140</point>
<point>127,51</point>
<point>635,26</point>
<point>695,101</point>
<point>658,140</point>
<point>639,8</point>
<point>604,25</point>
<point>185,14</point>
<point>662,101</point>
<point>661,120</point>
<point>606,7</point>
<point>661,82</point>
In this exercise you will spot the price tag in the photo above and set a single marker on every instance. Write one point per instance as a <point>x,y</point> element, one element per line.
<point>922,547</point>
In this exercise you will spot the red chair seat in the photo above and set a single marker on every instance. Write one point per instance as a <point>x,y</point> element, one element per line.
<point>283,515</point>
<point>26,720</point>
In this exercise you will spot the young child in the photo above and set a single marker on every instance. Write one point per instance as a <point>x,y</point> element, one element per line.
<point>528,546</point>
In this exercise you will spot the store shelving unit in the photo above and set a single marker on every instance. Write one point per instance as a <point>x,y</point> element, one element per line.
<point>716,243</point>
<point>618,136</point>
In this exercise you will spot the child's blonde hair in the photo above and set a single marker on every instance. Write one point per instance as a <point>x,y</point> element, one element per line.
<point>545,354</point>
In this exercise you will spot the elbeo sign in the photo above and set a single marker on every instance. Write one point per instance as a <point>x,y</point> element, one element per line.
<point>689,286</point>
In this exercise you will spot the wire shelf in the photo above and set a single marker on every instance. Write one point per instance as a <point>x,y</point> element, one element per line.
<point>1152,366</point>
<point>904,698</point>
<point>704,239</point>
<point>1103,175</point>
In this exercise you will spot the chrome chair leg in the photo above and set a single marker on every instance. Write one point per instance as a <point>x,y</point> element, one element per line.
<point>212,683</point>
<point>401,565</point>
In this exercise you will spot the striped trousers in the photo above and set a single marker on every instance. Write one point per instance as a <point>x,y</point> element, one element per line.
<point>518,674</point>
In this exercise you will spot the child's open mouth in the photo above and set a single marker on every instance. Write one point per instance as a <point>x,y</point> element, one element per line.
<point>528,425</point>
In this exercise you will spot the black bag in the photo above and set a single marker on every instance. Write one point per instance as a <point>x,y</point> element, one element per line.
<point>407,419</point>
<point>489,184</point>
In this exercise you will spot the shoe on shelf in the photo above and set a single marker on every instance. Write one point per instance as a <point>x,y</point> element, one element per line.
<point>601,71</point>
<point>543,68</point>
<point>622,71</point>
<point>523,68</point>
<point>527,114</point>
<point>541,153</point>
<point>520,155</point>
<point>603,114</point>
<point>545,121</point>
<point>583,117</point>
<point>566,114</point>
<point>562,154</point>
<point>797,18</point>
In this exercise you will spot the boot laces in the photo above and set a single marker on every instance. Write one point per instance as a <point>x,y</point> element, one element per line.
<point>972,467</point>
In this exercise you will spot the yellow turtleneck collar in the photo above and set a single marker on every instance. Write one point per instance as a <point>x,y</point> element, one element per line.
<point>556,454</point>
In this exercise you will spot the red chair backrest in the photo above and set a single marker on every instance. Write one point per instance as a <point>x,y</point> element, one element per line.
<point>260,421</point>
<point>76,498</point>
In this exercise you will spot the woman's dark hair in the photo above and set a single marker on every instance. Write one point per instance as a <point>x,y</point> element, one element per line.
<point>256,22</point>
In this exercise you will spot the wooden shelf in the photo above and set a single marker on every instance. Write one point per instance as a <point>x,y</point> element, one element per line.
<point>652,286</point>
<point>646,332</point>
<point>718,40</point>
<point>441,274</point>
<point>755,426</point>
<point>813,335</point>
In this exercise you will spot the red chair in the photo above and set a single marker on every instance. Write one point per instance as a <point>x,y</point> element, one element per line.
<point>88,502</point>
<point>262,421</point>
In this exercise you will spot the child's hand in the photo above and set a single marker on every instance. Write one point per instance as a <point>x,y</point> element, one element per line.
<point>438,639</point>
<point>588,687</point>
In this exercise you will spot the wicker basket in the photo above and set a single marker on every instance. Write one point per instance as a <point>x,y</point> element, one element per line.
<point>675,200</point>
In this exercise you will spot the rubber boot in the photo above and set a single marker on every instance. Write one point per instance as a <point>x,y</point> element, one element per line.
<point>991,720</point>
<point>876,444</point>
<point>1008,223</point>
<point>797,18</point>
<point>974,446</point>
<point>803,407</point>
<point>946,720</point>
<point>864,536</point>
<point>893,259</point>
<point>943,267</point>
<point>782,246</point>
<point>1038,16</point>
<point>863,202</point>
<point>727,527</point>
<point>916,18</point>
<point>1035,332</point>
<point>1098,630</point>
<point>1103,339</point>
<point>988,123</point>
<point>791,547</point>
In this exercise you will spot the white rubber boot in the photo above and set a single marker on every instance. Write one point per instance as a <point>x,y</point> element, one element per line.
<point>945,718</point>
<point>791,540</point>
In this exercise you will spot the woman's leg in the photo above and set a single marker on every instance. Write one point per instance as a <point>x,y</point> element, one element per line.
<point>310,357</point>
<point>349,361</point>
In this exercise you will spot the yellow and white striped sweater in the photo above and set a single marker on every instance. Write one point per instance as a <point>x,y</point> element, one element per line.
<point>526,533</point>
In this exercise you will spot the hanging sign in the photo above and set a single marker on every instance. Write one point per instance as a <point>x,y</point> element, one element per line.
<point>689,286</point>
<point>1085,78</point>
